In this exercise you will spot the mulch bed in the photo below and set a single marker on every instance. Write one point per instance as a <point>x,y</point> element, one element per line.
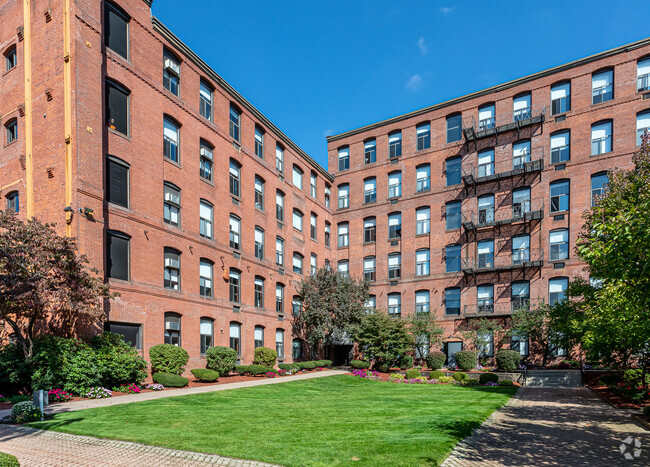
<point>616,400</point>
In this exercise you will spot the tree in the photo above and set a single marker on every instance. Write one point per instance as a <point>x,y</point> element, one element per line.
<point>333,306</point>
<point>383,339</point>
<point>42,279</point>
<point>426,331</point>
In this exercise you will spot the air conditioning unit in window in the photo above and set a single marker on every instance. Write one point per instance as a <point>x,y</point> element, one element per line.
<point>205,152</point>
<point>171,262</point>
<point>173,325</point>
<point>172,66</point>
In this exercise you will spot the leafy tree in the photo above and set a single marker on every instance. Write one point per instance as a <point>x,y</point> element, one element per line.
<point>43,281</point>
<point>333,306</point>
<point>426,331</point>
<point>476,332</point>
<point>535,324</point>
<point>383,339</point>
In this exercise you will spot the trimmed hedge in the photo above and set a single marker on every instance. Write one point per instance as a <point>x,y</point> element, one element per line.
<point>488,378</point>
<point>506,382</point>
<point>326,362</point>
<point>265,357</point>
<point>286,366</point>
<point>359,364</point>
<point>7,460</point>
<point>170,380</point>
<point>508,360</point>
<point>307,365</point>
<point>436,374</point>
<point>466,359</point>
<point>205,376</point>
<point>460,376</point>
<point>412,373</point>
<point>221,359</point>
<point>436,359</point>
<point>168,358</point>
<point>405,362</point>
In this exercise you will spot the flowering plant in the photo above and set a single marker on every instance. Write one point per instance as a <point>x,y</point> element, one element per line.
<point>128,388</point>
<point>270,374</point>
<point>367,374</point>
<point>155,387</point>
<point>282,372</point>
<point>491,383</point>
<point>395,376</point>
<point>320,368</point>
<point>98,392</point>
<point>58,395</point>
<point>418,380</point>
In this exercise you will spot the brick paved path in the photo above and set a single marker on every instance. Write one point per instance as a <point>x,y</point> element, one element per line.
<point>552,426</point>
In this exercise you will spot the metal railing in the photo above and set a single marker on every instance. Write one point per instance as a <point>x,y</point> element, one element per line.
<point>520,258</point>
<point>473,172</point>
<point>501,308</point>
<point>473,129</point>
<point>521,211</point>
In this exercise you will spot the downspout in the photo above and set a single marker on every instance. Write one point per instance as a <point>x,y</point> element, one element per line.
<point>29,163</point>
<point>67,112</point>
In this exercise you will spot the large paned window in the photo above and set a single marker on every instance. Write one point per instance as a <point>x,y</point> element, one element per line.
<point>423,132</point>
<point>395,144</point>
<point>343,235</point>
<point>172,204</point>
<point>521,107</point>
<point>422,305</point>
<point>117,173</point>
<point>560,147</point>
<point>259,292</point>
<point>423,178</point>
<point>344,196</point>
<point>172,279</point>
<point>118,255</point>
<point>235,177</point>
<point>205,162</point>
<point>486,117</point>
<point>171,139</point>
<point>395,225</point>
<point>642,125</point>
<point>485,298</point>
<point>235,232</point>
<point>259,243</point>
<point>601,138</point>
<point>452,301</point>
<point>598,182</point>
<point>394,184</point>
<point>560,98</point>
<point>205,278</point>
<point>344,158</point>
<point>394,305</point>
<point>235,337</point>
<point>452,171</point>
<point>370,151</point>
<point>370,190</point>
<point>394,266</point>
<point>560,196</point>
<point>556,289</point>
<point>117,107</point>
<point>172,328</point>
<point>206,214</point>
<point>423,220</point>
<point>369,268</point>
<point>171,73</point>
<point>602,86</point>
<point>234,284</point>
<point>205,100</point>
<point>452,215</point>
<point>452,258</point>
<point>297,220</point>
<point>235,123</point>
<point>369,230</point>
<point>454,128</point>
<point>422,262</point>
<point>116,30</point>
<point>559,244</point>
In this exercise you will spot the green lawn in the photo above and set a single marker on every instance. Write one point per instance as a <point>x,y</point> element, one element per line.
<point>336,420</point>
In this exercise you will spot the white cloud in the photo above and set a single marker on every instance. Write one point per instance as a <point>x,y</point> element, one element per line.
<point>414,83</point>
<point>446,9</point>
<point>422,46</point>
<point>328,132</point>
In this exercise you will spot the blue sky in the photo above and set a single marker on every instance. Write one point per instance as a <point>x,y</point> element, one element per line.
<point>317,68</point>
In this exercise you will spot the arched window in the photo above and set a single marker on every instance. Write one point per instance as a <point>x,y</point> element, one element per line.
<point>173,328</point>
<point>207,333</point>
<point>234,283</point>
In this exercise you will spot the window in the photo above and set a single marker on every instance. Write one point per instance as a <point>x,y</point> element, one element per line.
<point>560,98</point>
<point>370,190</point>
<point>343,268</point>
<point>519,342</point>
<point>602,89</point>
<point>206,212</point>
<point>279,206</point>
<point>205,162</point>
<point>344,158</point>
<point>205,100</point>
<point>173,329</point>
<point>234,285</point>
<point>118,254</point>
<point>395,144</point>
<point>279,251</point>
<point>327,196</point>
<point>486,119</point>
<point>559,244</point>
<point>395,225</point>
<point>370,151</point>
<point>560,147</point>
<point>327,234</point>
<point>297,263</point>
<point>12,130</point>
<point>235,230</point>
<point>520,154</point>
<point>235,337</point>
<point>343,235</point>
<point>259,336</point>
<point>520,295</point>
<point>344,196</point>
<point>422,302</point>
<point>556,288</point>
<point>297,220</point>
<point>371,303</point>
<point>423,178</point>
<point>171,139</point>
<point>486,343</point>
<point>423,132</point>
<point>485,298</point>
<point>259,142</point>
<point>259,193</point>
<point>207,334</point>
<point>313,226</point>
<point>394,305</point>
<point>452,301</point>
<point>452,171</point>
<point>520,249</point>
<point>11,60</point>
<point>279,158</point>
<point>205,278</point>
<point>369,230</point>
<point>394,184</point>
<point>13,201</point>
<point>453,128</point>
<point>259,292</point>
<point>486,163</point>
<point>313,185</point>
<point>235,171</point>
<point>394,266</point>
<point>369,268</point>
<point>172,269</point>
<point>314,264</point>
<point>643,74</point>
<point>171,73</point>
<point>485,251</point>
<point>486,209</point>
<point>452,258</point>
<point>297,349</point>
<point>116,30</point>
<point>521,107</point>
<point>560,196</point>
<point>172,204</point>
<point>452,215</point>
<point>117,191</point>
<point>296,305</point>
<point>520,202</point>
<point>422,220</point>
<point>130,332</point>
<point>297,177</point>
<point>259,243</point>
<point>642,125</point>
<point>117,107</point>
<point>598,182</point>
<point>279,298</point>
<point>235,121</point>
<point>422,262</point>
<point>279,342</point>
<point>601,138</point>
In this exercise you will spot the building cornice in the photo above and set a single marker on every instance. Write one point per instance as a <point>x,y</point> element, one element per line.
<point>241,100</point>
<point>495,89</point>
<point>148,2</point>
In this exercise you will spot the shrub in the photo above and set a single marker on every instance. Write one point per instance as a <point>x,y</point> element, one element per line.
<point>488,378</point>
<point>646,411</point>
<point>221,359</point>
<point>58,395</point>
<point>634,378</point>
<point>168,358</point>
<point>610,379</point>
<point>128,388</point>
<point>118,363</point>
<point>265,357</point>
<point>395,376</point>
<point>326,362</point>
<point>307,365</point>
<point>207,376</point>
<point>445,379</point>
<point>470,382</point>
<point>7,460</point>
<point>466,359</point>
<point>506,382</point>
<point>435,360</point>
<point>384,367</point>
<point>155,387</point>
<point>405,362</point>
<point>258,369</point>
<point>243,369</point>
<point>359,364</point>
<point>287,366</point>
<point>460,376</point>
<point>19,398</point>
<point>437,374</point>
<point>170,380</point>
<point>24,412</point>
<point>507,360</point>
<point>98,393</point>
<point>412,373</point>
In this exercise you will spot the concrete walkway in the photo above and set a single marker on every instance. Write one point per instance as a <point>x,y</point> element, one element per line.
<point>147,396</point>
<point>553,426</point>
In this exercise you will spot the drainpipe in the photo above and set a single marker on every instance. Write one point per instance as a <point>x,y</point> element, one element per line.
<point>29,163</point>
<point>67,112</point>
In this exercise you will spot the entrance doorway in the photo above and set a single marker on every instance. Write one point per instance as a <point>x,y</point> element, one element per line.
<point>450,349</point>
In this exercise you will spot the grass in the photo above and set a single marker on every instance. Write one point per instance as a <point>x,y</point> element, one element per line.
<point>337,420</point>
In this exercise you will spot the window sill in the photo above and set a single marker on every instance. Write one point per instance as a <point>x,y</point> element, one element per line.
<point>369,203</point>
<point>119,57</point>
<point>175,164</point>
<point>205,180</point>
<point>10,144</point>
<point>343,247</point>
<point>119,207</point>
<point>452,230</point>
<point>558,213</point>
<point>394,198</point>
<point>603,153</point>
<point>343,209</point>
<point>397,239</point>
<point>562,114</point>
<point>261,211</point>
<point>600,104</point>
<point>9,70</point>
<point>423,191</point>
<point>118,133</point>
<point>428,234</point>
<point>369,243</point>
<point>171,94</point>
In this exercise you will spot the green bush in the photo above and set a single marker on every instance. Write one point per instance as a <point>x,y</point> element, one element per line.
<point>243,369</point>
<point>634,378</point>
<point>466,359</point>
<point>508,360</point>
<point>405,362</point>
<point>287,366</point>
<point>19,398</point>
<point>610,379</point>
<point>307,365</point>
<point>326,363</point>
<point>258,369</point>
<point>221,359</point>
<point>7,460</point>
<point>118,362</point>
<point>470,382</point>
<point>646,411</point>
<point>265,357</point>
<point>168,358</point>
<point>506,382</point>
<point>412,373</point>
<point>436,374</point>
<point>359,364</point>
<point>445,379</point>
<point>488,378</point>
<point>24,412</point>
<point>206,376</point>
<point>460,376</point>
<point>384,367</point>
<point>170,380</point>
<point>435,360</point>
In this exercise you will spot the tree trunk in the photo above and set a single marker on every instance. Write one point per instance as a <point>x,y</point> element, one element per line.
<point>25,342</point>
